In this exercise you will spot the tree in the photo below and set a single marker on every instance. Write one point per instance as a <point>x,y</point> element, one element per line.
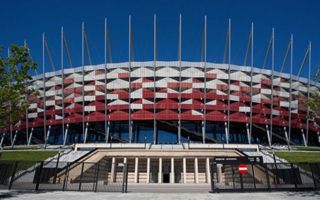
<point>314,104</point>
<point>14,79</point>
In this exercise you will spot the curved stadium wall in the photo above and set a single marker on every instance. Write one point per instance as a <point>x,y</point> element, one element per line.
<point>171,102</point>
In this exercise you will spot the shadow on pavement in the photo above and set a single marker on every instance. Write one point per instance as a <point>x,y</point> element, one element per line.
<point>306,194</point>
<point>15,193</point>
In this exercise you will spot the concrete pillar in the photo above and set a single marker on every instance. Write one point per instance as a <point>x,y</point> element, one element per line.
<point>219,173</point>
<point>172,171</point>
<point>184,170</point>
<point>136,170</point>
<point>208,170</point>
<point>113,170</point>
<point>196,177</point>
<point>160,171</point>
<point>148,170</point>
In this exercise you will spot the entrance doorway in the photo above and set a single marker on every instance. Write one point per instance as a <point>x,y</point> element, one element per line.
<point>166,178</point>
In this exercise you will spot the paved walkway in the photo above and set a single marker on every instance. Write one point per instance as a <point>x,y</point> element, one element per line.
<point>155,196</point>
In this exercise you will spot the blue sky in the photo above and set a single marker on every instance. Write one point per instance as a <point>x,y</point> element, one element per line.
<point>28,19</point>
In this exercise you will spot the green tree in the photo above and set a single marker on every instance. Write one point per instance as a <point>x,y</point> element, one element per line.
<point>314,104</point>
<point>14,79</point>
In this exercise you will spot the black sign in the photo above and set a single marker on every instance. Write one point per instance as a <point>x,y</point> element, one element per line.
<point>238,160</point>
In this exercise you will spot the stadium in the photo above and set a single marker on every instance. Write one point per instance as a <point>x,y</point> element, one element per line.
<point>156,94</point>
<point>169,102</point>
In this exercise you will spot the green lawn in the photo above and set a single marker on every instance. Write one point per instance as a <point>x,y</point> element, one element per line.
<point>27,155</point>
<point>312,156</point>
<point>26,158</point>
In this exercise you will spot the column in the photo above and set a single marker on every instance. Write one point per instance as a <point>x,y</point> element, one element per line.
<point>184,170</point>
<point>208,170</point>
<point>136,170</point>
<point>172,171</point>
<point>160,171</point>
<point>148,170</point>
<point>113,167</point>
<point>196,177</point>
<point>219,173</point>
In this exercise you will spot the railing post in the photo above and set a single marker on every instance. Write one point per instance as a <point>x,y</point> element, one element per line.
<point>311,165</point>
<point>234,186</point>
<point>39,176</point>
<point>97,177</point>
<point>55,170</point>
<point>80,179</point>
<point>277,172</point>
<point>294,176</point>
<point>13,174</point>
<point>267,176</point>
<point>241,181</point>
<point>254,178</point>
<point>212,177</point>
<point>66,174</point>
<point>125,178</point>
<point>127,171</point>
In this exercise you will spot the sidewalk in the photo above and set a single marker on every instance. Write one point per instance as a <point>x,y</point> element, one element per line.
<point>157,196</point>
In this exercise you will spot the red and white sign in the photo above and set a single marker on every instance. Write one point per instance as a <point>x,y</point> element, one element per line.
<point>243,169</point>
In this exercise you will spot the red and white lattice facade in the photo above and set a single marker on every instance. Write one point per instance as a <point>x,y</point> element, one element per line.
<point>155,91</point>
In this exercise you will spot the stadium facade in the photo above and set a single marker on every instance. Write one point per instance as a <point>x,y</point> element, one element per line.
<point>169,102</point>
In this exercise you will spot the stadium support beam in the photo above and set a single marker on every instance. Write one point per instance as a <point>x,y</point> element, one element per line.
<point>285,57</point>
<point>309,82</point>
<point>271,96</point>
<point>290,90</point>
<point>30,137</point>
<point>251,83</point>
<point>290,105</point>
<point>44,92</point>
<point>48,133</point>
<point>62,79</point>
<point>129,68</point>
<point>66,135</point>
<point>86,43</point>
<point>67,50</point>
<point>1,140</point>
<point>86,130</point>
<point>14,139</point>
<point>205,81</point>
<point>27,109</point>
<point>180,80</point>
<point>82,63</point>
<point>229,81</point>
<point>10,117</point>
<point>106,132</point>
<point>268,134</point>
<point>286,134</point>
<point>306,56</point>
<point>304,138</point>
<point>155,135</point>
<point>267,53</point>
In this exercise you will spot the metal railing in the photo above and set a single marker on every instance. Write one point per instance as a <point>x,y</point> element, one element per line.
<point>265,177</point>
<point>101,176</point>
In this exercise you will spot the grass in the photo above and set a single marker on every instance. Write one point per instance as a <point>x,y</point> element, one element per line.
<point>26,158</point>
<point>27,155</point>
<point>311,148</point>
<point>302,157</point>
